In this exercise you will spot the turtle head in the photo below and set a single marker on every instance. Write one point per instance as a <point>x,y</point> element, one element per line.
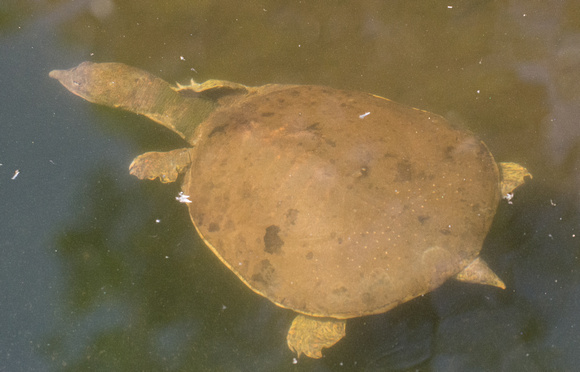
<point>110,84</point>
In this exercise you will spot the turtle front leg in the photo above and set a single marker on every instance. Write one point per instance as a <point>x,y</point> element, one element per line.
<point>308,335</point>
<point>163,165</point>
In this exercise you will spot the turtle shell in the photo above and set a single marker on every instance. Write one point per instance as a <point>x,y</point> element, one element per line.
<point>337,203</point>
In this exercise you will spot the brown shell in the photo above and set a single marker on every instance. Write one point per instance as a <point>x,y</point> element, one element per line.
<point>336,203</point>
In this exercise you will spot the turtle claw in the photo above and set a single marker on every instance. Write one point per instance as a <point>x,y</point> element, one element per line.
<point>309,335</point>
<point>163,165</point>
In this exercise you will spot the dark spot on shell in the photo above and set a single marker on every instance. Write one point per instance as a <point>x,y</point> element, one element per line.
<point>272,242</point>
<point>404,171</point>
<point>483,152</point>
<point>445,231</point>
<point>329,142</point>
<point>340,291</point>
<point>281,100</point>
<point>422,219</point>
<point>448,153</point>
<point>267,114</point>
<point>213,227</point>
<point>339,240</point>
<point>367,299</point>
<point>216,130</point>
<point>313,127</point>
<point>265,274</point>
<point>309,255</point>
<point>291,216</point>
<point>294,93</point>
<point>230,225</point>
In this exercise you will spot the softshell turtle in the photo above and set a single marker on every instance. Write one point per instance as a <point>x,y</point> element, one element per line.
<point>331,203</point>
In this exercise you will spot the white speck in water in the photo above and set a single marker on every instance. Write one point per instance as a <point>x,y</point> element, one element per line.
<point>509,196</point>
<point>157,220</point>
<point>182,198</point>
<point>364,115</point>
<point>294,361</point>
<point>16,173</point>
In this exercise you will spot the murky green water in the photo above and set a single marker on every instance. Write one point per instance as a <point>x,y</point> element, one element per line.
<point>90,281</point>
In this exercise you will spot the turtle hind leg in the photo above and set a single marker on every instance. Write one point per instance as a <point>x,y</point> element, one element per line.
<point>163,165</point>
<point>513,175</point>
<point>478,272</point>
<point>308,335</point>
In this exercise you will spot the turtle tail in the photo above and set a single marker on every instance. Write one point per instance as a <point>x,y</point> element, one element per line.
<point>120,86</point>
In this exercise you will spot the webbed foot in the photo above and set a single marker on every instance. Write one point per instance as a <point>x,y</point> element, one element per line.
<point>308,335</point>
<point>513,175</point>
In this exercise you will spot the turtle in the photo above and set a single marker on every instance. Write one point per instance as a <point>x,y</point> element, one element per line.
<point>332,203</point>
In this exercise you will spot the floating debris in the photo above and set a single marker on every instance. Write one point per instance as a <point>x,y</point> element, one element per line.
<point>182,198</point>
